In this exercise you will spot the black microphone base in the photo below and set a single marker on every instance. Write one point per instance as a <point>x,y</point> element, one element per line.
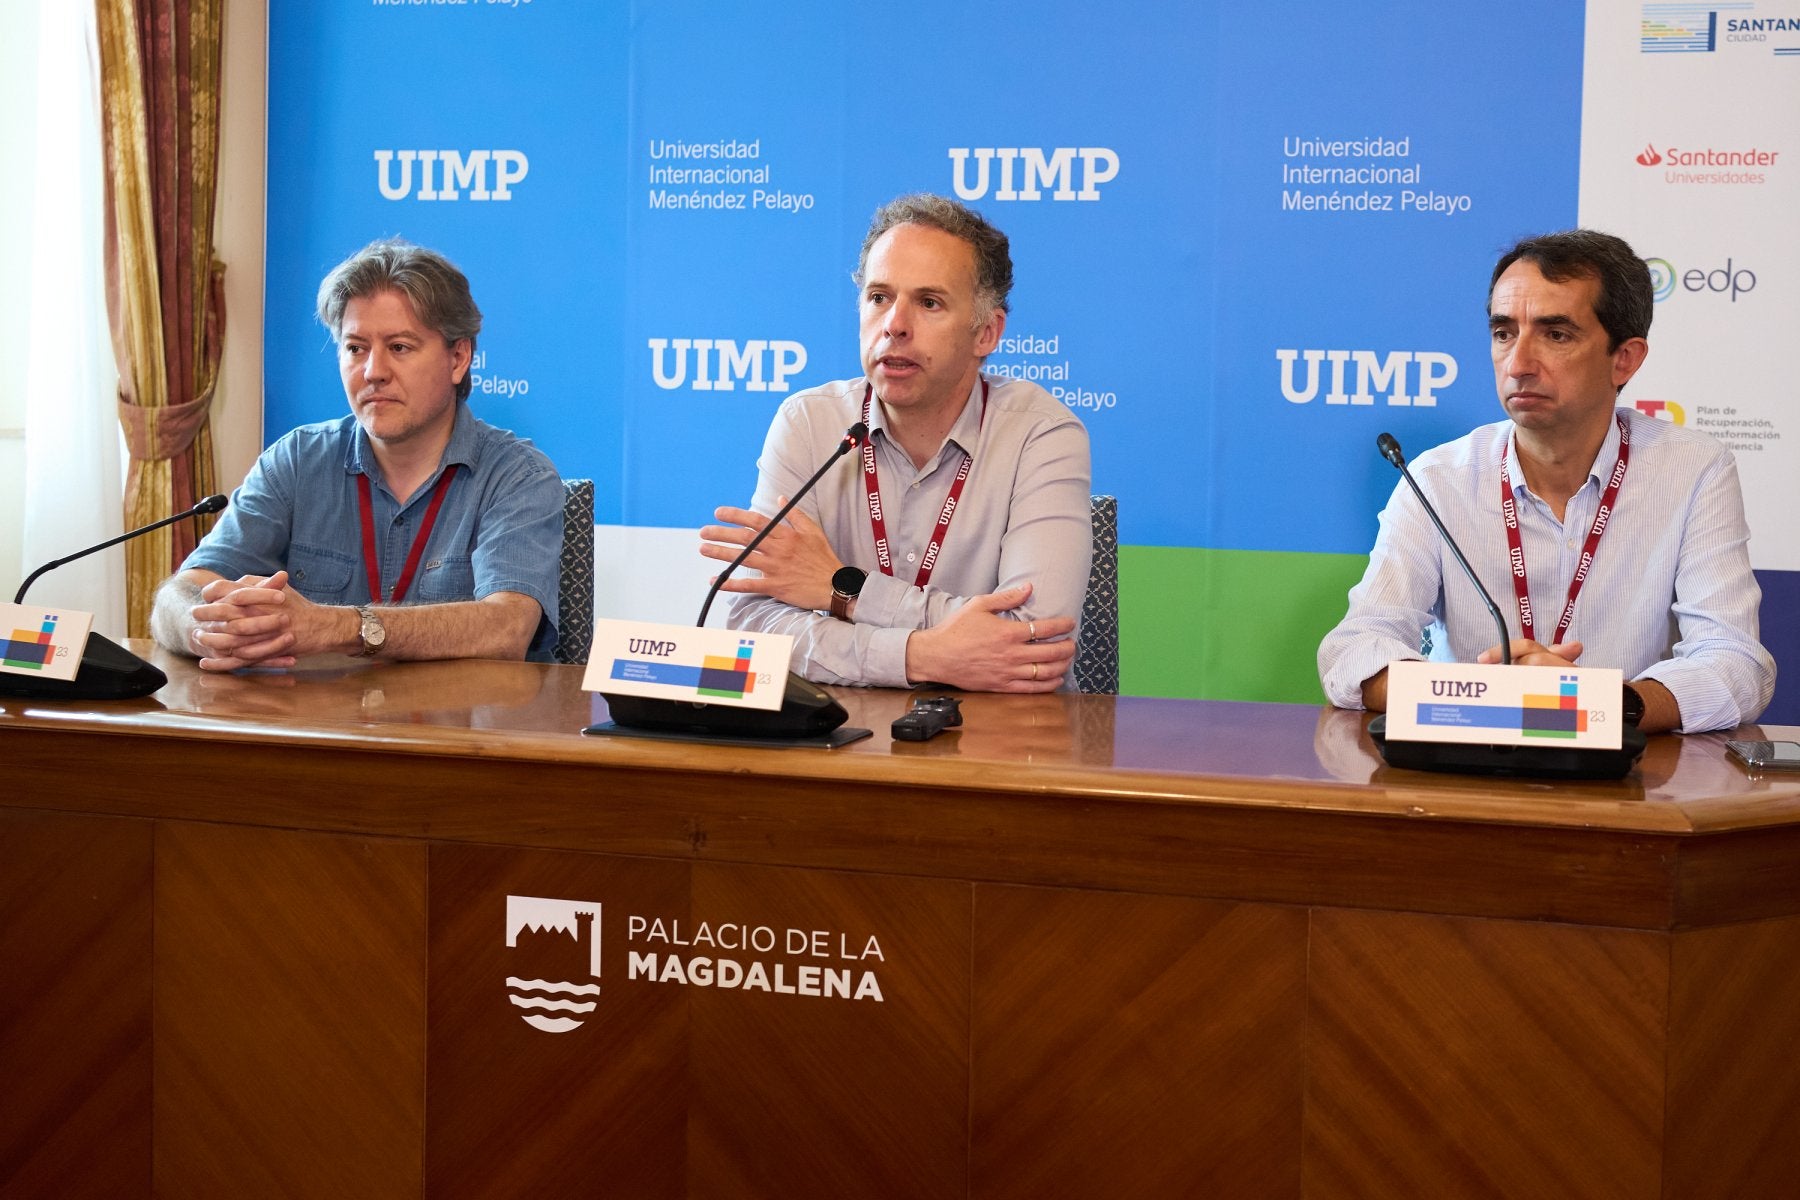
<point>807,712</point>
<point>1536,762</point>
<point>108,672</point>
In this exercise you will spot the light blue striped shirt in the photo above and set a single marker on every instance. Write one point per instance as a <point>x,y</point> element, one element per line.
<point>1670,595</point>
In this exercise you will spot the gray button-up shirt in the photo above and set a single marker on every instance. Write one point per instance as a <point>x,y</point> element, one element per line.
<point>1023,517</point>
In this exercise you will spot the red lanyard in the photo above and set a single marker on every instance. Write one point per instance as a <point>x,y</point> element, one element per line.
<point>872,489</point>
<point>1509,509</point>
<point>372,562</point>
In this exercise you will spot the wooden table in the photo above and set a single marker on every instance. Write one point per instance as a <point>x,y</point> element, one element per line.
<point>254,938</point>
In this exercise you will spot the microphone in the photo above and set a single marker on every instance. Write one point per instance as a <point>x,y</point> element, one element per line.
<point>1390,450</point>
<point>1473,758</point>
<point>853,437</point>
<point>807,710</point>
<point>206,507</point>
<point>108,671</point>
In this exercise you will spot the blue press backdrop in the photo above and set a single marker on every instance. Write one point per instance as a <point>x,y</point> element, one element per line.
<point>1193,193</point>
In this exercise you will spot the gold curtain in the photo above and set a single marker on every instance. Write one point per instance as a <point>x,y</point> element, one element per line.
<point>159,94</point>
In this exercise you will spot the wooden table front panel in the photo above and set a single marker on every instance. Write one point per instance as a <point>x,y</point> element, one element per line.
<point>290,1014</point>
<point>75,1023</point>
<point>1455,1056</point>
<point>1734,1074</point>
<point>515,1110</point>
<point>1135,1045</point>
<point>834,1063</point>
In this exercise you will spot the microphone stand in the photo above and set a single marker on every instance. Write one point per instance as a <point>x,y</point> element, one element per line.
<point>211,504</point>
<point>108,671</point>
<point>807,710</point>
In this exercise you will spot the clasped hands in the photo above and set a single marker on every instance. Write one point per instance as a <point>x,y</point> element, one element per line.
<point>1527,653</point>
<point>256,621</point>
<point>975,648</point>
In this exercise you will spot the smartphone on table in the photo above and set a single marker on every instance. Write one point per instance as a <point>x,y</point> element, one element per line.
<point>1766,756</point>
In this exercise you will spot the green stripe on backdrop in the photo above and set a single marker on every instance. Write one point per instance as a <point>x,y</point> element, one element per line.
<point>1228,624</point>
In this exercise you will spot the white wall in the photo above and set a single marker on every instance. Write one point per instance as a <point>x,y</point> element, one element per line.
<point>18,142</point>
<point>238,233</point>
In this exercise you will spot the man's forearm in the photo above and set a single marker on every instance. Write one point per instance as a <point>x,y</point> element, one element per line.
<point>1662,712</point>
<point>171,622</point>
<point>826,650</point>
<point>497,626</point>
<point>1374,691</point>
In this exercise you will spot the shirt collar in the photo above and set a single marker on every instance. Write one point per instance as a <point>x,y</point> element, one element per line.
<point>965,433</point>
<point>464,448</point>
<point>1599,471</point>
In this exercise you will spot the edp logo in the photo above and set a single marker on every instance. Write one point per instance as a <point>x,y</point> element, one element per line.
<point>446,174</point>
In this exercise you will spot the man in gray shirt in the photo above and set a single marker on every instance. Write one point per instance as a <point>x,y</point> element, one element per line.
<point>956,550</point>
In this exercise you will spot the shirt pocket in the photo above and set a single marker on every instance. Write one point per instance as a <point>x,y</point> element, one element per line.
<point>322,576</point>
<point>447,578</point>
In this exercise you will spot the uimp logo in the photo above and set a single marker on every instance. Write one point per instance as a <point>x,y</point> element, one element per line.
<point>446,174</point>
<point>1663,410</point>
<point>718,364</point>
<point>1025,173</point>
<point>1391,377</point>
<point>555,959</point>
<point>31,649</point>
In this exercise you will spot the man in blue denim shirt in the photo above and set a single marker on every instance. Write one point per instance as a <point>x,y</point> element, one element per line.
<point>409,529</point>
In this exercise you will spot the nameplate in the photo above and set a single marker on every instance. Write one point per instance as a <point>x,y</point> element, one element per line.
<point>1509,706</point>
<point>42,643</point>
<point>684,662</point>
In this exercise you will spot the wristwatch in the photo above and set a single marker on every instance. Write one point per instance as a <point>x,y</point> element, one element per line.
<point>1634,706</point>
<point>372,632</point>
<point>846,586</point>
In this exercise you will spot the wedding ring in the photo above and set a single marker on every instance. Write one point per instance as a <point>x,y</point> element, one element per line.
<point>1031,627</point>
<point>1034,670</point>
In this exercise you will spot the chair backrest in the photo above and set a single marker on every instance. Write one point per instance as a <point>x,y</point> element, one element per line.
<point>575,591</point>
<point>1097,645</point>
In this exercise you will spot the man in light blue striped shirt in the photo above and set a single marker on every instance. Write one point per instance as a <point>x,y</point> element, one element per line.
<point>1667,596</point>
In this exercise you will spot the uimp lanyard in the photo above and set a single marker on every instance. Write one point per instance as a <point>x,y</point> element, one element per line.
<point>872,489</point>
<point>1509,509</point>
<point>372,561</point>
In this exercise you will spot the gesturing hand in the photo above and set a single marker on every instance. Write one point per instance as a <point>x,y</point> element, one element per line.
<point>795,560</point>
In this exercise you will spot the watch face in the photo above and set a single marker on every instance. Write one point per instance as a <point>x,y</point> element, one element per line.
<point>1634,705</point>
<point>848,580</point>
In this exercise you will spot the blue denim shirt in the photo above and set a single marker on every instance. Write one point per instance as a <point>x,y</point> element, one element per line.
<point>500,529</point>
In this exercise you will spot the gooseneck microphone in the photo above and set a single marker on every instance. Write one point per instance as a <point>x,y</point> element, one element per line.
<point>211,504</point>
<point>108,671</point>
<point>853,437</point>
<point>1390,450</point>
<point>1545,761</point>
<point>807,710</point>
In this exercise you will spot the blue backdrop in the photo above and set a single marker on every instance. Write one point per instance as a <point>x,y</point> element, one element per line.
<point>1247,237</point>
